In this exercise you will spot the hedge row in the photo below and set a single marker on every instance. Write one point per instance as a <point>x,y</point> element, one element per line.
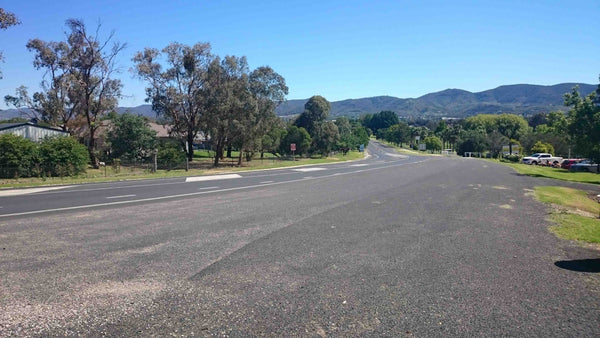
<point>55,156</point>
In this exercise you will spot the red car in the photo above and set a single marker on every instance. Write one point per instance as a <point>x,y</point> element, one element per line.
<point>566,164</point>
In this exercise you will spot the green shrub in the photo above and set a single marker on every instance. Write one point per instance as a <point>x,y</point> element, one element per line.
<point>170,155</point>
<point>63,156</point>
<point>541,147</point>
<point>18,156</point>
<point>512,158</point>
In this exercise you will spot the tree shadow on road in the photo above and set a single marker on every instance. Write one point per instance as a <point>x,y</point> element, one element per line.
<point>580,265</point>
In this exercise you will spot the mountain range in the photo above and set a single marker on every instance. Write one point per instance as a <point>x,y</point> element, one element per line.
<point>522,99</point>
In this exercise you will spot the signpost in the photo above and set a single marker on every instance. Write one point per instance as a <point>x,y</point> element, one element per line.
<point>293,149</point>
<point>362,148</point>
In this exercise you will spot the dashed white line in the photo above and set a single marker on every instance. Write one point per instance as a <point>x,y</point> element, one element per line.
<point>211,178</point>
<point>265,182</point>
<point>359,165</point>
<point>162,198</point>
<point>206,188</point>
<point>304,170</point>
<point>121,196</point>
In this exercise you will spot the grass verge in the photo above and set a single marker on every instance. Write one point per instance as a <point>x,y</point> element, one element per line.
<point>108,174</point>
<point>575,213</point>
<point>555,173</point>
<point>576,227</point>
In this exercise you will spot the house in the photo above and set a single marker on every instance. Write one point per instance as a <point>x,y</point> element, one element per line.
<point>31,130</point>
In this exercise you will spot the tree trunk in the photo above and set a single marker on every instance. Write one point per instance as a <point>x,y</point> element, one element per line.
<point>190,146</point>
<point>229,151</point>
<point>91,146</point>
<point>217,153</point>
<point>240,157</point>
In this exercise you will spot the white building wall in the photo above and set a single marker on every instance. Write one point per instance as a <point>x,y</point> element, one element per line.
<point>33,133</point>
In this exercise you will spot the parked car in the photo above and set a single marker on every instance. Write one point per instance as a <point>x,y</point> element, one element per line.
<point>566,164</point>
<point>585,165</point>
<point>542,158</point>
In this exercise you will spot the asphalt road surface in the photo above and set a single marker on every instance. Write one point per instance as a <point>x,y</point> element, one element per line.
<point>387,246</point>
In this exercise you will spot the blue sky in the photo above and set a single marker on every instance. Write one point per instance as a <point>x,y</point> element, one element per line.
<point>338,49</point>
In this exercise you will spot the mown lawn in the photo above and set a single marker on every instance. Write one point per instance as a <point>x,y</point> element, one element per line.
<point>575,214</point>
<point>555,173</point>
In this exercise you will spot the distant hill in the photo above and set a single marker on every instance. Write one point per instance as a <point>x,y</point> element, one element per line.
<point>517,99</point>
<point>522,99</point>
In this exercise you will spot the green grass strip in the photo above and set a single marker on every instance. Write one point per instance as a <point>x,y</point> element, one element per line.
<point>578,217</point>
<point>576,227</point>
<point>555,173</point>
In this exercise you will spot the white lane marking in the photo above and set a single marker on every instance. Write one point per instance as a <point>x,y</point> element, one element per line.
<point>16,192</point>
<point>206,188</point>
<point>160,198</point>
<point>358,165</point>
<point>304,170</point>
<point>211,178</point>
<point>121,196</point>
<point>265,182</point>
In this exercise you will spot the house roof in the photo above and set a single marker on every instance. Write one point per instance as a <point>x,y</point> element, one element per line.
<point>5,126</point>
<point>161,130</point>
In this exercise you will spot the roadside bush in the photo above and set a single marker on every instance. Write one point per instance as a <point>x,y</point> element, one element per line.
<point>512,158</point>
<point>170,155</point>
<point>63,156</point>
<point>18,156</point>
<point>541,147</point>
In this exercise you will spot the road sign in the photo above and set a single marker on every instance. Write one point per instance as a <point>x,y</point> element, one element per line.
<point>362,148</point>
<point>293,146</point>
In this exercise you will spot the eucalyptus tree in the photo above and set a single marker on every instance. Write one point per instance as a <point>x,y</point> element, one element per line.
<point>92,88</point>
<point>226,99</point>
<point>267,90</point>
<point>585,122</point>
<point>177,85</point>
<point>241,105</point>
<point>79,82</point>
<point>56,104</point>
<point>7,19</point>
<point>316,111</point>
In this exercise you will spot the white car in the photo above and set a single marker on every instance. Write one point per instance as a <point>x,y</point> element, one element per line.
<point>542,158</point>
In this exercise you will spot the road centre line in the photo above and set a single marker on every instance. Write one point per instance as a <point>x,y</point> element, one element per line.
<point>55,190</point>
<point>160,198</point>
<point>122,196</point>
<point>265,182</point>
<point>206,188</point>
<point>58,190</point>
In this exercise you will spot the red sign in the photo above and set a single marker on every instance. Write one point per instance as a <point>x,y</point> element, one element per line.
<point>293,146</point>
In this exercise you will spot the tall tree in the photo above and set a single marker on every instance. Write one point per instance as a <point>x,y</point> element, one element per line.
<point>326,136</point>
<point>382,120</point>
<point>7,19</point>
<point>585,122</point>
<point>225,95</point>
<point>267,90</point>
<point>57,103</point>
<point>91,67</point>
<point>177,91</point>
<point>316,111</point>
